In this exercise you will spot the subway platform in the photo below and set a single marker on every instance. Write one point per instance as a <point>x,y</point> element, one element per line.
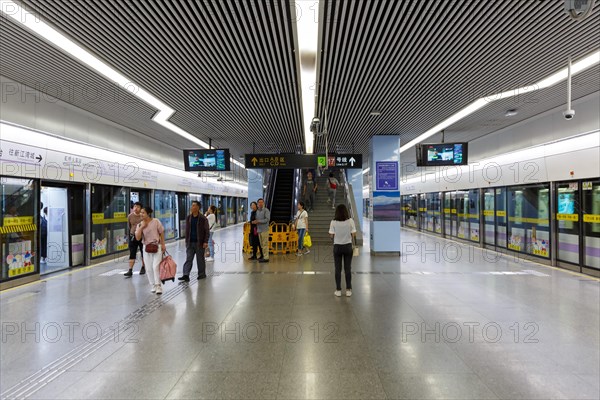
<point>443,321</point>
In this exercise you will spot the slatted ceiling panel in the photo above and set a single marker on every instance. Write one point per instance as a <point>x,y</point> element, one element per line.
<point>228,68</point>
<point>20,60</point>
<point>427,60</point>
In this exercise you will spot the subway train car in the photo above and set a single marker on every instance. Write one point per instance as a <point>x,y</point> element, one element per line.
<point>537,201</point>
<point>65,203</point>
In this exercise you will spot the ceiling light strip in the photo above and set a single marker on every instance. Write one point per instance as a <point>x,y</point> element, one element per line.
<point>307,32</point>
<point>579,66</point>
<point>33,22</point>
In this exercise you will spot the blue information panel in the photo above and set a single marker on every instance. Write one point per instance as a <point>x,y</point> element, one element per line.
<point>386,175</point>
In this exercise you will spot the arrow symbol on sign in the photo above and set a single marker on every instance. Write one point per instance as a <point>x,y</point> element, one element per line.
<point>39,158</point>
<point>352,161</point>
<point>254,161</point>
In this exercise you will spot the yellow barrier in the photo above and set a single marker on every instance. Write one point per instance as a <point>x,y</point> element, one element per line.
<point>282,239</point>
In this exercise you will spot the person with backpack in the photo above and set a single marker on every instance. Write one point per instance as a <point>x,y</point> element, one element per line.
<point>332,189</point>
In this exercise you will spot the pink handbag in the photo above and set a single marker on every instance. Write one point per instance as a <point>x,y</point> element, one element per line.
<point>167,268</point>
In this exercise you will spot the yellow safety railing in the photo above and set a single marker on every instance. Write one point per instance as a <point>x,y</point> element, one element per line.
<point>282,239</point>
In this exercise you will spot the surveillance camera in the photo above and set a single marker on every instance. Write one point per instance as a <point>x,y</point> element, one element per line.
<point>316,121</point>
<point>569,114</point>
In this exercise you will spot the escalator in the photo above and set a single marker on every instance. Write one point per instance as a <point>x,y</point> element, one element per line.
<point>282,198</point>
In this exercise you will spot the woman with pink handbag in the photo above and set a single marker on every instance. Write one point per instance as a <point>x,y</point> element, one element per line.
<point>151,232</point>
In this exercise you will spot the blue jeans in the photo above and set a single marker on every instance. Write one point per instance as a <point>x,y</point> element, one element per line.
<point>211,246</point>
<point>301,233</point>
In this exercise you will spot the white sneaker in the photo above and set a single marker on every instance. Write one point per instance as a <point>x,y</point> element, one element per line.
<point>307,251</point>
<point>153,289</point>
<point>159,289</point>
<point>348,292</point>
<point>209,259</point>
<point>338,293</point>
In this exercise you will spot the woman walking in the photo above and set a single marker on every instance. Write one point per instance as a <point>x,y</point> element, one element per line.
<point>301,221</point>
<point>152,234</point>
<point>254,239</point>
<point>343,231</point>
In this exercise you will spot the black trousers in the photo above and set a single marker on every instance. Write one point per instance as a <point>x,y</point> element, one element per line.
<point>194,250</point>
<point>255,243</point>
<point>343,252</point>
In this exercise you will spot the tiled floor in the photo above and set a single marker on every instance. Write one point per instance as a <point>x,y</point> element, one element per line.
<point>448,323</point>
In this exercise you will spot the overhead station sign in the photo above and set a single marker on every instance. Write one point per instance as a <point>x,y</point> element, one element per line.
<point>345,160</point>
<point>294,161</point>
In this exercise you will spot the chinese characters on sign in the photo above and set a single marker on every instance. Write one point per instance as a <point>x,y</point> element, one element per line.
<point>386,175</point>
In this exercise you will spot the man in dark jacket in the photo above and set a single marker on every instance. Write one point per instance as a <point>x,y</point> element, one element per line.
<point>196,242</point>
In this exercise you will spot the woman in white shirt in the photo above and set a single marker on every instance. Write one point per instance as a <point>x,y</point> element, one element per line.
<point>212,222</point>
<point>301,221</point>
<point>342,230</point>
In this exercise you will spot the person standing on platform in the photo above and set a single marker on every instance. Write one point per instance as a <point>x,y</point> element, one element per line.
<point>196,242</point>
<point>151,232</point>
<point>343,230</point>
<point>263,216</point>
<point>212,225</point>
<point>254,238</point>
<point>133,220</point>
<point>301,221</point>
<point>44,234</point>
<point>309,190</point>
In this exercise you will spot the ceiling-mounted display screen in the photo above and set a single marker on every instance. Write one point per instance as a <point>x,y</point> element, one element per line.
<point>206,160</point>
<point>433,154</point>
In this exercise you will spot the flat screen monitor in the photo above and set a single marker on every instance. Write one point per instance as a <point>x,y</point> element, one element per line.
<point>206,160</point>
<point>434,154</point>
<point>566,203</point>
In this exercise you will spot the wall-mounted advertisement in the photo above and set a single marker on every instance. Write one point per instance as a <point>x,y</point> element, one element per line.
<point>386,206</point>
<point>386,175</point>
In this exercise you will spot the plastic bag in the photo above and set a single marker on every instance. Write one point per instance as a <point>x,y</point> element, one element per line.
<point>307,241</point>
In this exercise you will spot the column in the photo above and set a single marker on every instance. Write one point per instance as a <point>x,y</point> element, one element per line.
<point>384,193</point>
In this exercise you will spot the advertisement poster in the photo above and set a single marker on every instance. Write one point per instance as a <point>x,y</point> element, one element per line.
<point>386,206</point>
<point>99,247</point>
<point>515,242</point>
<point>19,258</point>
<point>121,242</point>
<point>55,219</point>
<point>540,247</point>
<point>386,175</point>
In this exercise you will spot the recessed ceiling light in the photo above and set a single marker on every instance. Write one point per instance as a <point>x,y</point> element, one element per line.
<point>511,113</point>
<point>375,113</point>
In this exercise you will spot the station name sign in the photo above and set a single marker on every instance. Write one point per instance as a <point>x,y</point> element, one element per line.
<point>294,161</point>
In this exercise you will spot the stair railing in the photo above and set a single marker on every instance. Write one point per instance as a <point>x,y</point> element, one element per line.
<point>349,194</point>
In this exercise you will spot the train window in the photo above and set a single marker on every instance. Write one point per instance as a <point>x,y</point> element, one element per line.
<point>165,206</point>
<point>110,208</point>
